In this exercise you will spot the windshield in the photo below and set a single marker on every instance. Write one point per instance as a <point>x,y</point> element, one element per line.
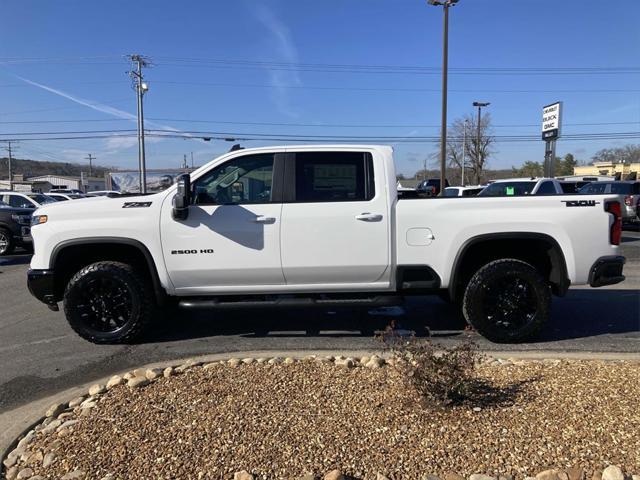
<point>40,198</point>
<point>508,189</point>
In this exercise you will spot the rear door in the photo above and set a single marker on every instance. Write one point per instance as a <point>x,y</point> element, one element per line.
<point>335,223</point>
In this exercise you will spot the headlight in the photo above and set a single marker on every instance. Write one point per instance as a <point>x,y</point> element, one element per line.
<point>39,219</point>
<point>21,219</point>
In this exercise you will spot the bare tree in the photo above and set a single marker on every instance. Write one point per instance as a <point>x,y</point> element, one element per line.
<point>476,154</point>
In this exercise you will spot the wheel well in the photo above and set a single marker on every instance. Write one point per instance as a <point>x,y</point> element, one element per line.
<point>540,251</point>
<point>70,259</point>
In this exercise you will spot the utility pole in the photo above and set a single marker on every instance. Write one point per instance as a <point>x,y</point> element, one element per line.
<point>10,150</point>
<point>464,148</point>
<point>445,4</point>
<point>184,162</point>
<point>141,87</point>
<point>191,159</point>
<point>479,139</point>
<point>90,158</point>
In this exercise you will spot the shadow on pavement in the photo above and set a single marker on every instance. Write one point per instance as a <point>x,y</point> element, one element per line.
<point>16,259</point>
<point>582,313</point>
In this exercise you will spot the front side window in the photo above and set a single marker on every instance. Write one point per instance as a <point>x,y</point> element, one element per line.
<point>243,180</point>
<point>334,177</point>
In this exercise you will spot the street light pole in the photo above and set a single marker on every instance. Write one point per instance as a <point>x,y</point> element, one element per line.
<point>478,140</point>
<point>445,65</point>
<point>464,148</point>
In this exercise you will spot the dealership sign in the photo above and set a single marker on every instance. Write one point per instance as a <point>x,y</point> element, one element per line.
<point>551,121</point>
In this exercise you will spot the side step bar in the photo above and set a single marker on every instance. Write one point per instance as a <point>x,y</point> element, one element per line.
<point>290,302</point>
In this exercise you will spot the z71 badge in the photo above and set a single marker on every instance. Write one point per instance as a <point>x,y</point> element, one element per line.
<point>580,203</point>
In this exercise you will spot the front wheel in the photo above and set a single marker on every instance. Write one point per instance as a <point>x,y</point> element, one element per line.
<point>507,301</point>
<point>108,302</point>
<point>6,242</point>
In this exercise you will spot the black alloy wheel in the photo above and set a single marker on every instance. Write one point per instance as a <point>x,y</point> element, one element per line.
<point>507,301</point>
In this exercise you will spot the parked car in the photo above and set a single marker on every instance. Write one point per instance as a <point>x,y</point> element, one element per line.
<point>61,197</point>
<point>431,187</point>
<point>629,192</point>
<point>329,230</point>
<point>15,228</point>
<point>104,193</point>
<point>74,191</point>
<point>516,187</point>
<point>25,199</point>
<point>463,191</point>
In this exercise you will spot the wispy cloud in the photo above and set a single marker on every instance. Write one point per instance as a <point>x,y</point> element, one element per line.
<point>115,143</point>
<point>284,46</point>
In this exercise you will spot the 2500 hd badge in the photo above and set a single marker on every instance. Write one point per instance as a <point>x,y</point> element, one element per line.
<point>191,252</point>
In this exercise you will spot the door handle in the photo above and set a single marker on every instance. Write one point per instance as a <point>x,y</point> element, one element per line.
<point>369,217</point>
<point>264,219</point>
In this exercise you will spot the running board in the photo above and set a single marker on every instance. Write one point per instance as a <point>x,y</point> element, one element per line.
<point>288,302</point>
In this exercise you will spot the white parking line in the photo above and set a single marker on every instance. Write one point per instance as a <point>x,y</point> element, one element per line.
<point>36,342</point>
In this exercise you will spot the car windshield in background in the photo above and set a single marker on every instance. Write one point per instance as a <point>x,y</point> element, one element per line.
<point>508,189</point>
<point>41,199</point>
<point>451,192</point>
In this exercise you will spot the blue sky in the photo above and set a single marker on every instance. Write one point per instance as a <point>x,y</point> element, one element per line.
<point>79,47</point>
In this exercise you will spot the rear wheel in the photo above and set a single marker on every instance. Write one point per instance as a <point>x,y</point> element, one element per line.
<point>507,301</point>
<point>108,302</point>
<point>6,242</point>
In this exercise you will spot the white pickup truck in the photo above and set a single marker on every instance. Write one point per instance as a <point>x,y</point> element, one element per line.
<point>316,226</point>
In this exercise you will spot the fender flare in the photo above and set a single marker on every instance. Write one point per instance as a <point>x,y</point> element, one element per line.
<point>556,257</point>
<point>151,265</point>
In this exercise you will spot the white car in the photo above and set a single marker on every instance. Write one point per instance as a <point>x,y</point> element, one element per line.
<point>62,197</point>
<point>316,226</point>
<point>103,193</point>
<point>25,200</point>
<point>469,191</point>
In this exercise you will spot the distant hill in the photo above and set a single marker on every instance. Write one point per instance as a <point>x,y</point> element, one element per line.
<point>35,168</point>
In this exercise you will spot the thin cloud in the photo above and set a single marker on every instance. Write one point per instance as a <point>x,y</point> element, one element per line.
<point>286,49</point>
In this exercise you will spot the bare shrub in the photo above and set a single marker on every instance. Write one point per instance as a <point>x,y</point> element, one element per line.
<point>439,375</point>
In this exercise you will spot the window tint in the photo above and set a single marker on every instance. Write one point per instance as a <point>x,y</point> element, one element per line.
<point>19,202</point>
<point>242,180</point>
<point>546,188</point>
<point>40,198</point>
<point>595,187</point>
<point>622,188</point>
<point>507,189</point>
<point>451,192</point>
<point>471,192</point>
<point>334,177</point>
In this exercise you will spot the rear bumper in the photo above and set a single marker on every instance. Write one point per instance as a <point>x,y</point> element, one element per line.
<point>607,271</point>
<point>41,284</point>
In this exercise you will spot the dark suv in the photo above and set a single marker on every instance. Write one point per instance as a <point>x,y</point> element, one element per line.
<point>15,228</point>
<point>431,187</point>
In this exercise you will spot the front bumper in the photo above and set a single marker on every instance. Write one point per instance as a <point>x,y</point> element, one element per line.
<point>41,284</point>
<point>607,271</point>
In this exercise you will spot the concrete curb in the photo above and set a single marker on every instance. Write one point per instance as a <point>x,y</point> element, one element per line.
<point>17,422</point>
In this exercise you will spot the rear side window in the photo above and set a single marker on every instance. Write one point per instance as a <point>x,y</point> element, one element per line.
<point>622,188</point>
<point>595,187</point>
<point>334,177</point>
<point>546,188</point>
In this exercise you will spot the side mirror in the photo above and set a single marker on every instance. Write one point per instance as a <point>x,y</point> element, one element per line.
<point>182,198</point>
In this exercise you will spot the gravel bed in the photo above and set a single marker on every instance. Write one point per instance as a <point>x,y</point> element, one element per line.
<point>281,420</point>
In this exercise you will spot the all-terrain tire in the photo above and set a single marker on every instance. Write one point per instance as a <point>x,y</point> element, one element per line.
<point>507,301</point>
<point>6,242</point>
<point>109,302</point>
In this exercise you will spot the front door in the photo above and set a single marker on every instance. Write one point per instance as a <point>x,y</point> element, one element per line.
<point>231,237</point>
<point>335,225</point>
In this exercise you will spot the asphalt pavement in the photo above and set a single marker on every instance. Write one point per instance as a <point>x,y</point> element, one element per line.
<point>40,355</point>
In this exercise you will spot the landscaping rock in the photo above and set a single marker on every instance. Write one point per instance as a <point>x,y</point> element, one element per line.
<point>24,474</point>
<point>48,459</point>
<point>128,375</point>
<point>243,475</point>
<point>430,477</point>
<point>76,474</point>
<point>55,410</point>
<point>97,389</point>
<point>167,372</point>
<point>334,475</point>
<point>152,373</point>
<point>37,477</point>
<point>612,472</point>
<point>344,362</point>
<point>597,475</point>
<point>248,361</point>
<point>137,382</point>
<point>375,362</point>
<point>67,424</point>
<point>140,372</point>
<point>575,473</point>
<point>551,474</point>
<point>11,473</point>
<point>453,476</point>
<point>10,461</point>
<point>86,405</point>
<point>114,381</point>
<point>76,402</point>
<point>275,360</point>
<point>35,458</point>
<point>234,362</point>
<point>289,360</point>
<point>479,476</point>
